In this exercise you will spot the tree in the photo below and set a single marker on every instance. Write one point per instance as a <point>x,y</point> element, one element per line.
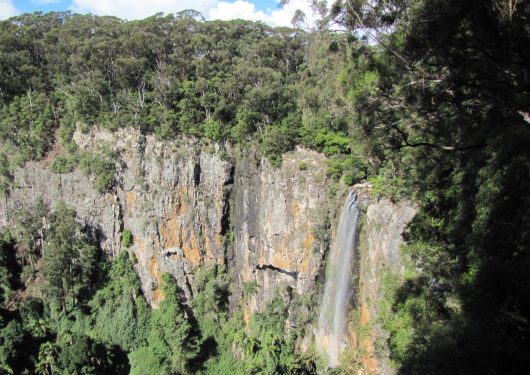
<point>70,261</point>
<point>30,233</point>
<point>8,270</point>
<point>173,342</point>
<point>120,312</point>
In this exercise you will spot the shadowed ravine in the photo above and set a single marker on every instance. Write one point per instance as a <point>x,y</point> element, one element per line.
<point>338,289</point>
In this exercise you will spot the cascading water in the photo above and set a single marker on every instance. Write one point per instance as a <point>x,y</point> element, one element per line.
<point>338,289</point>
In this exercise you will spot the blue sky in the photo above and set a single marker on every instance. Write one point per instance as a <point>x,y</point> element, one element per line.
<point>59,5</point>
<point>263,10</point>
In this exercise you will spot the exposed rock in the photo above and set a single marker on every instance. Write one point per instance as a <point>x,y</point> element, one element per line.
<point>171,196</point>
<point>35,181</point>
<point>173,201</point>
<point>275,213</point>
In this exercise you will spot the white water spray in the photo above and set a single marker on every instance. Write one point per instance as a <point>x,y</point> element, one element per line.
<point>338,290</point>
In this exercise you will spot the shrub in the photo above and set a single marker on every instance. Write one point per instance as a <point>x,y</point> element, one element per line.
<point>63,164</point>
<point>100,166</point>
<point>250,288</point>
<point>126,238</point>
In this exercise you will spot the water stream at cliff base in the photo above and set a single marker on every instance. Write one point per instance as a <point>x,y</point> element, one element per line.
<point>330,335</point>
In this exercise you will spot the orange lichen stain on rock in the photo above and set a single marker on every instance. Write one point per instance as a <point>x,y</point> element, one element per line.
<point>294,209</point>
<point>368,358</point>
<point>281,260</point>
<point>130,200</point>
<point>182,207</point>
<point>309,240</point>
<point>154,272</point>
<point>176,235</point>
<point>218,236</point>
<point>246,314</point>
<point>140,245</point>
<point>191,249</point>
<point>304,265</point>
<point>170,232</point>
<point>152,269</point>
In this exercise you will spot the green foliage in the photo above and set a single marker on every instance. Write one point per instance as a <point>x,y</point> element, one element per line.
<point>166,75</point>
<point>12,338</point>
<point>235,81</point>
<point>64,164</point>
<point>250,288</point>
<point>27,124</point>
<point>172,342</point>
<point>101,166</point>
<point>267,348</point>
<point>6,177</point>
<point>210,302</point>
<point>8,269</point>
<point>83,323</point>
<point>80,354</point>
<point>437,114</point>
<point>213,130</point>
<point>280,138</point>
<point>389,187</point>
<point>70,261</point>
<point>396,320</point>
<point>440,111</point>
<point>126,238</point>
<point>302,166</point>
<point>332,143</point>
<point>119,310</point>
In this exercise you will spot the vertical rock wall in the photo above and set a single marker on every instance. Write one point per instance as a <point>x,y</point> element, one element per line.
<point>275,213</point>
<point>173,198</point>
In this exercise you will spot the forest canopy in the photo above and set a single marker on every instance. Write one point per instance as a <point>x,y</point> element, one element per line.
<point>236,81</point>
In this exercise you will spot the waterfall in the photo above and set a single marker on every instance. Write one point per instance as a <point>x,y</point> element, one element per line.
<point>338,289</point>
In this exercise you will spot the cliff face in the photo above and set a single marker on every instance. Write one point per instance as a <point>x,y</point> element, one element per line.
<point>36,181</point>
<point>188,208</point>
<point>275,214</point>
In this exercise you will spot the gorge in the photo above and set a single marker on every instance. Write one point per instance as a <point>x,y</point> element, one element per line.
<point>190,196</point>
<point>188,211</point>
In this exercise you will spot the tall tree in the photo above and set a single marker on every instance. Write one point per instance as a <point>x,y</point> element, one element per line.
<point>70,261</point>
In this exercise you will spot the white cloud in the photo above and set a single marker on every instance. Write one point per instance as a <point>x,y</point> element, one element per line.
<point>244,9</point>
<point>7,9</point>
<point>134,9</point>
<point>224,10</point>
<point>211,9</point>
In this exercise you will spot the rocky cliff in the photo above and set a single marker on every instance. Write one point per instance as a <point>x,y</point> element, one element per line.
<point>276,211</point>
<point>187,206</point>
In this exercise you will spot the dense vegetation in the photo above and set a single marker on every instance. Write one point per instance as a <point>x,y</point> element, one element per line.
<point>442,100</point>
<point>431,102</point>
<point>240,82</point>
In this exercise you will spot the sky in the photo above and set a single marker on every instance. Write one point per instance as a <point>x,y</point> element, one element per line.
<point>267,11</point>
